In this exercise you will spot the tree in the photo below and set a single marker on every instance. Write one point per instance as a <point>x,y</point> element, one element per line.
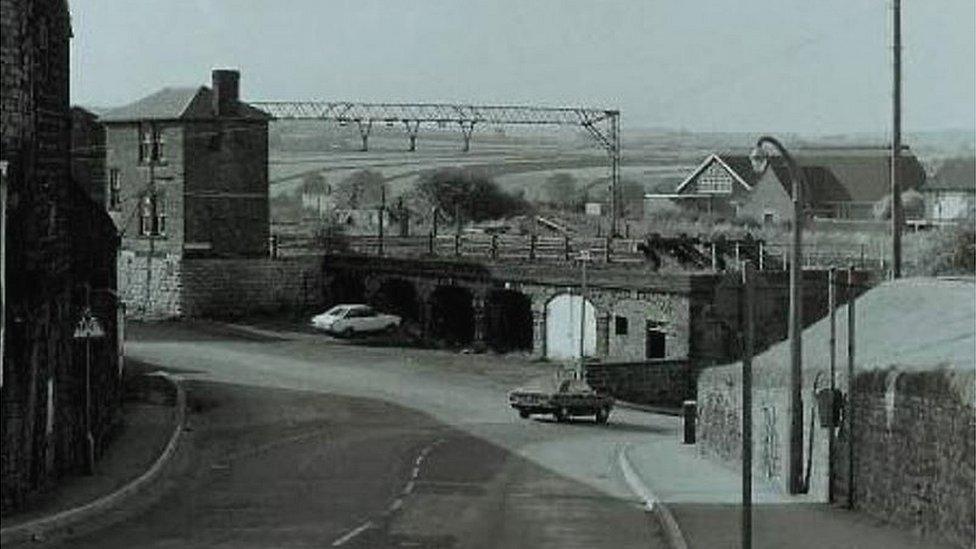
<point>912,206</point>
<point>362,189</point>
<point>561,190</point>
<point>475,195</point>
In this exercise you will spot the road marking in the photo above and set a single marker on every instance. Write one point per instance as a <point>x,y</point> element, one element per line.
<point>397,503</point>
<point>419,460</point>
<point>415,472</point>
<point>408,488</point>
<point>359,530</point>
<point>671,529</point>
<point>636,485</point>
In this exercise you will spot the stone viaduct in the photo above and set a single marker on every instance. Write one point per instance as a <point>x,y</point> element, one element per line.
<point>631,314</point>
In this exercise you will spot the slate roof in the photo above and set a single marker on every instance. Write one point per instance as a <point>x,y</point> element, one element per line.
<point>848,174</point>
<point>176,104</point>
<point>739,164</point>
<point>955,174</point>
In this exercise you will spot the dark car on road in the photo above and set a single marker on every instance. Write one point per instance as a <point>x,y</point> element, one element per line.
<point>563,398</point>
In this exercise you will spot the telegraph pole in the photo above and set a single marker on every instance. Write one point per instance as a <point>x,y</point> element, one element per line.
<point>896,209</point>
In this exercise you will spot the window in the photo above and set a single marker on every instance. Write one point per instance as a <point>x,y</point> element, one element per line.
<point>715,180</point>
<point>620,325</point>
<point>114,189</point>
<point>152,215</point>
<point>151,144</point>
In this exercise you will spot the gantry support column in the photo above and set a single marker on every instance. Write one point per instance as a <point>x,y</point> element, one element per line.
<point>467,128</point>
<point>413,128</point>
<point>364,127</point>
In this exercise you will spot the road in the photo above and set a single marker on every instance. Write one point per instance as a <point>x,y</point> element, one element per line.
<point>305,441</point>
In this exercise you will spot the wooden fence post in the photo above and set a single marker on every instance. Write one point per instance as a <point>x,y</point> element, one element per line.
<point>608,251</point>
<point>532,238</point>
<point>566,247</point>
<point>430,243</point>
<point>457,244</point>
<point>494,246</point>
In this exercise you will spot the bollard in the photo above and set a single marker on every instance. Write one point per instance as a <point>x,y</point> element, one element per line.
<point>689,411</point>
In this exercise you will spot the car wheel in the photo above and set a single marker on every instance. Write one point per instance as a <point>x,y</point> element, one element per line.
<point>562,414</point>
<point>348,333</point>
<point>602,415</point>
<point>524,414</point>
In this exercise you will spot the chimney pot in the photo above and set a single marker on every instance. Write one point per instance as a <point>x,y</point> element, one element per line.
<point>226,88</point>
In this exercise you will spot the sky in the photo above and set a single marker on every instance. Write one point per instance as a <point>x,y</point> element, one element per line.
<point>708,65</point>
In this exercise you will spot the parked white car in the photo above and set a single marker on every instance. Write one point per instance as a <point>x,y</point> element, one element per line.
<point>349,320</point>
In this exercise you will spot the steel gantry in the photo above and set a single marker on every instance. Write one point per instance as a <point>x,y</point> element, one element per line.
<point>603,125</point>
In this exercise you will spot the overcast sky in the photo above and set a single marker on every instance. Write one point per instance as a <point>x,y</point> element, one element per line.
<point>725,65</point>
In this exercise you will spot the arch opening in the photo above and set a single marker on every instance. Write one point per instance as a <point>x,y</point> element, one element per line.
<point>563,327</point>
<point>452,315</point>
<point>508,319</point>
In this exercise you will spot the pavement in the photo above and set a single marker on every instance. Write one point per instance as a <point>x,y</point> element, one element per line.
<point>295,439</point>
<point>703,497</point>
<point>135,447</point>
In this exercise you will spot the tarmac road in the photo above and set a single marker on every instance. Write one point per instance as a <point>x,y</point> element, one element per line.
<point>303,441</point>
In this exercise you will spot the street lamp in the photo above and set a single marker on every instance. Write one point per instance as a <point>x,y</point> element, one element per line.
<point>760,159</point>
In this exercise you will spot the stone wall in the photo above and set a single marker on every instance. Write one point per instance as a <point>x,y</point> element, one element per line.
<point>231,288</point>
<point>913,442</point>
<point>663,383</point>
<point>160,272</point>
<point>914,455</point>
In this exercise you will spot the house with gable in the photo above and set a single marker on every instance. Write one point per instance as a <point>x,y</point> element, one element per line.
<point>843,183</point>
<point>719,185</point>
<point>951,193</point>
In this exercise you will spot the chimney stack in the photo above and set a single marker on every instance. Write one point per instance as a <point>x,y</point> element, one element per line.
<point>226,88</point>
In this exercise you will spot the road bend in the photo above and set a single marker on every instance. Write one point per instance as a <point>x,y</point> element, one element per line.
<point>299,440</point>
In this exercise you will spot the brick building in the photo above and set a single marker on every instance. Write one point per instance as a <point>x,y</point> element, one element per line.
<point>186,177</point>
<point>58,253</point>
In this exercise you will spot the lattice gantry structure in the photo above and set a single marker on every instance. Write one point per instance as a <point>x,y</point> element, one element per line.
<point>603,125</point>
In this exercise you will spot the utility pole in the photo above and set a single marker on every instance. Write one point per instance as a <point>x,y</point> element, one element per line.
<point>748,281</point>
<point>849,412</point>
<point>584,258</point>
<point>151,197</point>
<point>382,210</point>
<point>896,209</point>
<point>832,300</point>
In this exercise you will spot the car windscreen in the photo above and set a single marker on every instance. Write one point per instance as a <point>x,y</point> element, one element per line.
<point>336,311</point>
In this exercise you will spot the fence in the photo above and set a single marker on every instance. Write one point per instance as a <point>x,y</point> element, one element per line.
<point>472,246</point>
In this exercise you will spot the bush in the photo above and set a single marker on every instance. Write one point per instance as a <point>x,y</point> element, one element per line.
<point>950,251</point>
<point>475,195</point>
<point>912,206</point>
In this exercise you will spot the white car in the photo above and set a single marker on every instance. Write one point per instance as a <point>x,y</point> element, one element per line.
<point>349,320</point>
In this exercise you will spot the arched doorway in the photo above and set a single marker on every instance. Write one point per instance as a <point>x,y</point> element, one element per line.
<point>508,318</point>
<point>563,327</point>
<point>397,296</point>
<point>346,288</point>
<point>451,315</point>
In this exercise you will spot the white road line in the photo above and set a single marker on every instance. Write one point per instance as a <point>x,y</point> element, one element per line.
<point>408,488</point>
<point>362,528</point>
<point>634,482</point>
<point>415,472</point>
<point>419,460</point>
<point>397,503</point>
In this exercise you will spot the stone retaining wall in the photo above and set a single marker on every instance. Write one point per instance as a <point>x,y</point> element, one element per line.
<point>232,288</point>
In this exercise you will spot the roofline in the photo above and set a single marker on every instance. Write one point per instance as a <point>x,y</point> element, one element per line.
<point>195,120</point>
<point>676,195</point>
<point>704,165</point>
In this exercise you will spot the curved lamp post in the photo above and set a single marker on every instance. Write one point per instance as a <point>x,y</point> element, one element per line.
<point>760,158</point>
